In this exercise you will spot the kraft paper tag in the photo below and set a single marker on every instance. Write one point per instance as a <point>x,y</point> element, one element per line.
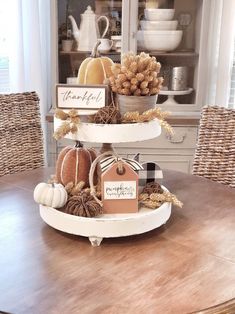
<point>119,190</point>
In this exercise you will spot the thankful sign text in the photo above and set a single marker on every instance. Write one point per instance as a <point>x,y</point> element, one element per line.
<point>114,190</point>
<point>81,96</point>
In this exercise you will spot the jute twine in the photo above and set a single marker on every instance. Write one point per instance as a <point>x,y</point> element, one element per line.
<point>120,166</point>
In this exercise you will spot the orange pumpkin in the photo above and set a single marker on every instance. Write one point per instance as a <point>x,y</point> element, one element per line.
<point>94,69</point>
<point>73,164</point>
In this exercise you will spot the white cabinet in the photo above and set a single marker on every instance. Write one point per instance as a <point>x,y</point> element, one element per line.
<point>193,19</point>
<point>176,152</point>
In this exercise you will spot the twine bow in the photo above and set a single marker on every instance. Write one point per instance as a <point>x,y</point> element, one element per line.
<point>112,157</point>
<point>70,124</point>
<point>110,160</point>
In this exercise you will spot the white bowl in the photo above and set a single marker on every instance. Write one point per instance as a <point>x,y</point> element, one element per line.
<point>116,37</point>
<point>158,25</point>
<point>118,44</point>
<point>159,14</point>
<point>162,41</point>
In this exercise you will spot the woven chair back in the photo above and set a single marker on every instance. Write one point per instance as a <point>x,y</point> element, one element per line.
<point>215,151</point>
<point>21,138</point>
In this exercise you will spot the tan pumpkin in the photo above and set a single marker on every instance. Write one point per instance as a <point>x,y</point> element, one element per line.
<point>94,69</point>
<point>73,164</point>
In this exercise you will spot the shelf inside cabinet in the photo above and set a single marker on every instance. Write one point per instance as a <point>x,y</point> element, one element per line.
<point>74,53</point>
<point>153,53</point>
<point>69,62</point>
<point>182,54</point>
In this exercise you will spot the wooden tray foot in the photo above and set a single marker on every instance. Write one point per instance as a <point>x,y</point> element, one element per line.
<point>95,241</point>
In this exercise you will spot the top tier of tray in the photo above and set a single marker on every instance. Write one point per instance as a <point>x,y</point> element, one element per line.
<point>114,133</point>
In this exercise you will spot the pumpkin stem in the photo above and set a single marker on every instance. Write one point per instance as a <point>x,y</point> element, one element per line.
<point>78,144</point>
<point>95,52</point>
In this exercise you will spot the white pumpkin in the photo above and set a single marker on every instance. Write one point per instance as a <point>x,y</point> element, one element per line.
<point>52,195</point>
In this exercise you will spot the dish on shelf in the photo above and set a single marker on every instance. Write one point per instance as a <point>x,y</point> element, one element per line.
<point>176,92</point>
<point>159,14</point>
<point>116,37</point>
<point>117,42</point>
<point>159,40</point>
<point>158,25</point>
<point>172,93</point>
<point>114,133</point>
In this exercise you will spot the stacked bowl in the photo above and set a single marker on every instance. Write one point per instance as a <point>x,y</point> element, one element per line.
<point>158,31</point>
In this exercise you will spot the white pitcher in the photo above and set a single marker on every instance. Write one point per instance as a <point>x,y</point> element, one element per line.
<point>105,45</point>
<point>88,34</point>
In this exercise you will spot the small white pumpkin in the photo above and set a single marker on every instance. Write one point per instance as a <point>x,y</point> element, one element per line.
<point>52,195</point>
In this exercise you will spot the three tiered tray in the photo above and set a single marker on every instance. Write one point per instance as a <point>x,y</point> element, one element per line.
<point>110,225</point>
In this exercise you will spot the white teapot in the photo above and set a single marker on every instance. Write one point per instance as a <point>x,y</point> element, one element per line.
<point>89,30</point>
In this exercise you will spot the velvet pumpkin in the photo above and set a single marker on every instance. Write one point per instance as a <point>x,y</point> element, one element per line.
<point>73,164</point>
<point>94,69</point>
<point>52,195</point>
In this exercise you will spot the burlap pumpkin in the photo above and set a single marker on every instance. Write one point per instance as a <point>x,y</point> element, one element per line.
<point>73,164</point>
<point>95,69</point>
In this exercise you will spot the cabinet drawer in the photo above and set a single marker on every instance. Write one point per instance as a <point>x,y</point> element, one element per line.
<point>182,163</point>
<point>184,137</point>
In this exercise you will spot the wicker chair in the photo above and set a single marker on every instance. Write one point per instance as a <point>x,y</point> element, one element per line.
<point>215,152</point>
<point>21,138</point>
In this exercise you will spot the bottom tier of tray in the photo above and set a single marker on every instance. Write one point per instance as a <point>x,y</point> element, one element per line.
<point>107,225</point>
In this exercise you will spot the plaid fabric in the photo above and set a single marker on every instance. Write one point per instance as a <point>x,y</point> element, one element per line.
<point>151,172</point>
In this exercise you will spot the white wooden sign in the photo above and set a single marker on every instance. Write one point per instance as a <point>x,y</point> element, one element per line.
<point>83,97</point>
<point>115,190</point>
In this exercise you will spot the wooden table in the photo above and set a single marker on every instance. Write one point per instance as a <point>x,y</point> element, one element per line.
<point>187,265</point>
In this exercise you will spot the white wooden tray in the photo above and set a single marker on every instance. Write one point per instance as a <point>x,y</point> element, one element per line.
<point>114,133</point>
<point>108,225</point>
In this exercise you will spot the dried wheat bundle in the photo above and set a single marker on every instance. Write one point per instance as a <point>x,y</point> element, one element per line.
<point>156,113</point>
<point>136,75</point>
<point>155,200</point>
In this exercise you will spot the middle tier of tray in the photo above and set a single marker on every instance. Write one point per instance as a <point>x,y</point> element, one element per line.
<point>114,133</point>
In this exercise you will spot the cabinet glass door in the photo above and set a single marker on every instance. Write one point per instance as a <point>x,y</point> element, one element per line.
<point>170,30</point>
<point>80,24</point>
